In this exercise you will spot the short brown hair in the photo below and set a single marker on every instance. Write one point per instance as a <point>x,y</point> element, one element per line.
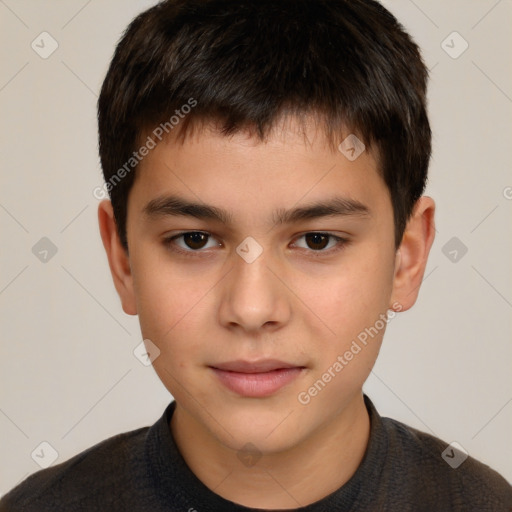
<point>245,63</point>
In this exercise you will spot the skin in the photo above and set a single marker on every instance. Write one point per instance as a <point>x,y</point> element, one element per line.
<point>300,302</point>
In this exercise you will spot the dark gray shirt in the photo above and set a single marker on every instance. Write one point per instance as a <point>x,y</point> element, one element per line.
<point>402,470</point>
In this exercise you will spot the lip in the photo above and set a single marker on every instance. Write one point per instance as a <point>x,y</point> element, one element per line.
<point>261,366</point>
<point>256,379</point>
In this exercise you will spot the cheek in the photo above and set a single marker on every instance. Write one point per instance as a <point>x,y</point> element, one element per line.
<point>168,304</point>
<point>351,303</point>
<point>348,299</point>
<point>344,352</point>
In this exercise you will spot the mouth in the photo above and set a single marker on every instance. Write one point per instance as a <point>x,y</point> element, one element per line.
<point>257,379</point>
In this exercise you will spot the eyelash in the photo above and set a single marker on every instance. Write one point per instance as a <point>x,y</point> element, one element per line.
<point>341,243</point>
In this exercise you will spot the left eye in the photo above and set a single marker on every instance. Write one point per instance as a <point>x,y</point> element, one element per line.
<point>318,242</point>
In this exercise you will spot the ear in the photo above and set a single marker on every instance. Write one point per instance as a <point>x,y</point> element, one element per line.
<point>118,258</point>
<point>412,255</point>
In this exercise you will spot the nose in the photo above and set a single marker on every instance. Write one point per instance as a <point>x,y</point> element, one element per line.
<point>253,297</point>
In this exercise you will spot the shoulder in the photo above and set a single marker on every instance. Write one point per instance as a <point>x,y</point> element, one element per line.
<point>88,479</point>
<point>444,471</point>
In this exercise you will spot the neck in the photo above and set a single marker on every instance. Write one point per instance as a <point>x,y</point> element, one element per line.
<point>297,477</point>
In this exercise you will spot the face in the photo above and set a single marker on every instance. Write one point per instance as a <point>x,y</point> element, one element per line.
<point>260,296</point>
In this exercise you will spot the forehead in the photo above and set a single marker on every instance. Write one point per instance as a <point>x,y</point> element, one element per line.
<point>244,175</point>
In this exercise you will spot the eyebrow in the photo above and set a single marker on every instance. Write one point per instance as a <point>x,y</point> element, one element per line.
<point>332,207</point>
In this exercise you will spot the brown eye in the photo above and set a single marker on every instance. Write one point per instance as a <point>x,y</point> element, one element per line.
<point>317,241</point>
<point>195,240</point>
<point>191,242</point>
<point>319,244</point>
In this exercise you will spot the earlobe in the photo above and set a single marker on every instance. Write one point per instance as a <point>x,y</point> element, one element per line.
<point>412,255</point>
<point>118,259</point>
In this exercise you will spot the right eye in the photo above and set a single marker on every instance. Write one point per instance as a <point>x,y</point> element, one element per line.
<point>191,242</point>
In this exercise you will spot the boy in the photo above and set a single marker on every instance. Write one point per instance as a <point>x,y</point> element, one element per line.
<point>265,163</point>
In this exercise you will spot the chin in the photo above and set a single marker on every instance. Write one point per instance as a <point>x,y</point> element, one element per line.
<point>254,440</point>
<point>270,431</point>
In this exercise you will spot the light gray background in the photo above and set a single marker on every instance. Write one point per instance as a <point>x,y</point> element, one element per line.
<point>68,373</point>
